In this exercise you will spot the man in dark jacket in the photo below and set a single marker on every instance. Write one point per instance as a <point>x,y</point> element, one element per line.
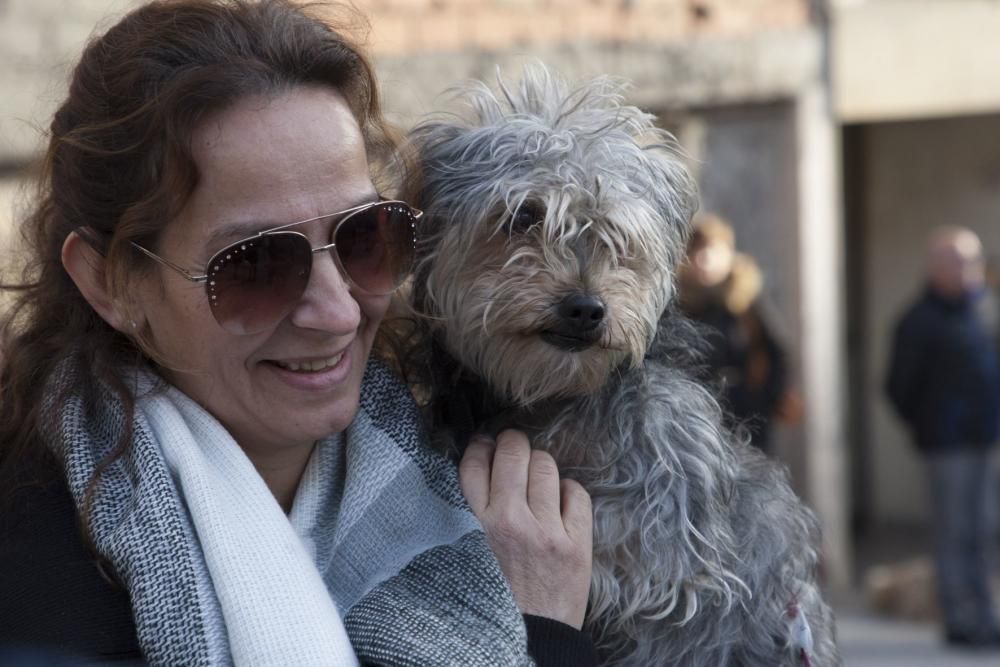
<point>944,382</point>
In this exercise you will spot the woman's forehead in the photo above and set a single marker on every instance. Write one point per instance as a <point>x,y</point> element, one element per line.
<point>275,160</point>
<point>284,137</point>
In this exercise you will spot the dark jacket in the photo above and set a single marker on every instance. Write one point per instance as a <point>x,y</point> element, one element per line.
<point>53,593</point>
<point>743,358</point>
<point>944,376</point>
<point>59,605</point>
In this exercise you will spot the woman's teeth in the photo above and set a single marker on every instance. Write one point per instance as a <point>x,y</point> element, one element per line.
<point>311,366</point>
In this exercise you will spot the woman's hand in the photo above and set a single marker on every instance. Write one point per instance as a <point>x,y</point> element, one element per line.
<point>540,528</point>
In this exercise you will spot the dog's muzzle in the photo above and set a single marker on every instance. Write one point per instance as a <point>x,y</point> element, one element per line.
<point>580,323</point>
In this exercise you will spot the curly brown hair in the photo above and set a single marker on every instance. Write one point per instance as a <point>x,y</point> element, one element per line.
<point>119,168</point>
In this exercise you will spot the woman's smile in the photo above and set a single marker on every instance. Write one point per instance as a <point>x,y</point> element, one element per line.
<point>316,373</point>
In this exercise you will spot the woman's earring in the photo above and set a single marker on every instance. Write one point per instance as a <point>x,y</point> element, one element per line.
<point>134,325</point>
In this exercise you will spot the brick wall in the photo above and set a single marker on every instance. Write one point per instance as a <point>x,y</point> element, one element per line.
<point>40,38</point>
<point>414,26</point>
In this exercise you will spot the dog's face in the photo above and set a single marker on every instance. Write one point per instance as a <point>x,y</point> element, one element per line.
<point>553,223</point>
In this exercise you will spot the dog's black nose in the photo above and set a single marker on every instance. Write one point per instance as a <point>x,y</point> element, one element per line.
<point>582,312</point>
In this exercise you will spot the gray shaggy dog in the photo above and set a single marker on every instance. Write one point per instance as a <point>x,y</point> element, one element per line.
<point>553,222</point>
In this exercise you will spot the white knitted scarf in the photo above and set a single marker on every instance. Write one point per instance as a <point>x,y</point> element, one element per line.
<point>273,600</point>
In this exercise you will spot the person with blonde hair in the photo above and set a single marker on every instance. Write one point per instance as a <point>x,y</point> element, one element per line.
<point>720,288</point>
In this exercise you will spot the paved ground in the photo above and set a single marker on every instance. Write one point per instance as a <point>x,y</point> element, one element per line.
<point>868,641</point>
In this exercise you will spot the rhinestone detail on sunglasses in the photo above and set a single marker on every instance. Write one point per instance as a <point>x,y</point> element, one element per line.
<point>372,251</point>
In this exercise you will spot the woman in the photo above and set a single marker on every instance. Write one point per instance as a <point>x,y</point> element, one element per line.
<point>200,463</point>
<point>720,288</point>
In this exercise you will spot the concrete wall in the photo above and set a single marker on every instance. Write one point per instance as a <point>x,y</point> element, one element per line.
<point>746,161</point>
<point>747,165</point>
<point>39,39</point>
<point>907,59</point>
<point>821,267</point>
<point>920,175</point>
<point>10,191</point>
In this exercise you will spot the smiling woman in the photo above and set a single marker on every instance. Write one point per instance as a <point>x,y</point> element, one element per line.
<point>200,461</point>
<point>295,155</point>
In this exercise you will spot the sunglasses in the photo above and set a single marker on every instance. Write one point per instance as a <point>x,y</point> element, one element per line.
<point>253,284</point>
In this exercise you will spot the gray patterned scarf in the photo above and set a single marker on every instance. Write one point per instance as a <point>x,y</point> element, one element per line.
<point>392,538</point>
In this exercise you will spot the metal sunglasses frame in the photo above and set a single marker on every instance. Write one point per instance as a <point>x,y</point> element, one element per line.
<point>347,215</point>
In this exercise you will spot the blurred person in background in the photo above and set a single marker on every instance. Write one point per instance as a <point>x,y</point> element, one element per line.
<point>720,288</point>
<point>944,382</point>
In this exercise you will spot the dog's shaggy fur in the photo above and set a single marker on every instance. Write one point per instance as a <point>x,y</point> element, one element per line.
<point>554,221</point>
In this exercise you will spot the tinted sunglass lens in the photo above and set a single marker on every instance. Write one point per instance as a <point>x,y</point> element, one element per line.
<point>254,284</point>
<point>376,246</point>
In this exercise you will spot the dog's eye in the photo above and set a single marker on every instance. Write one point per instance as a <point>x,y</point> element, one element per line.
<point>525,217</point>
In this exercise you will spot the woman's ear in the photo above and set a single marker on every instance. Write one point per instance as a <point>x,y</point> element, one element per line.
<point>86,267</point>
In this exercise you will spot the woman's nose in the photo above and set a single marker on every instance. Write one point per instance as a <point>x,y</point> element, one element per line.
<point>327,303</point>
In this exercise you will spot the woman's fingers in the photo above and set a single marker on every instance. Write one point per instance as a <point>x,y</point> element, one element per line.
<point>474,474</point>
<point>509,481</point>
<point>577,512</point>
<point>508,474</point>
<point>543,489</point>
<point>539,528</point>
